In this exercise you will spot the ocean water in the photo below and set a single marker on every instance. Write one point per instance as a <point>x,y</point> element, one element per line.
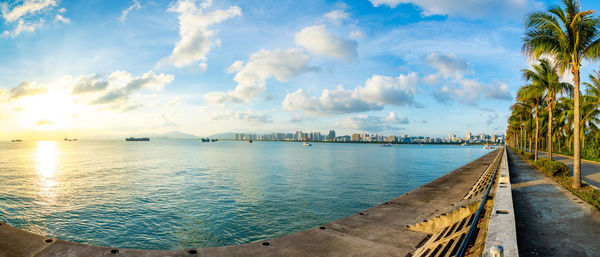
<point>171,194</point>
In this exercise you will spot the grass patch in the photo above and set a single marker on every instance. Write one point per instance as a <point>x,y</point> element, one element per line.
<point>560,173</point>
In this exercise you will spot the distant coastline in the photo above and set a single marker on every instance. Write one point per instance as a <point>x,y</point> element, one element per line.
<point>357,142</point>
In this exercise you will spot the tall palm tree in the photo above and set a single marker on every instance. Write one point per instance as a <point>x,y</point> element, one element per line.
<point>520,114</point>
<point>533,95</point>
<point>569,35</point>
<point>545,75</point>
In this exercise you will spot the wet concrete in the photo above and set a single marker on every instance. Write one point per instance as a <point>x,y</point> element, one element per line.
<point>550,220</point>
<point>379,231</point>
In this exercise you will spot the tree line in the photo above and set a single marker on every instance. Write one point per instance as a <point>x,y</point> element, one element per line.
<point>551,114</point>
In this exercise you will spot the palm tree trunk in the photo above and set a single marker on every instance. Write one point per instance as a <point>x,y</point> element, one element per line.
<point>549,140</point>
<point>537,128</point>
<point>576,143</point>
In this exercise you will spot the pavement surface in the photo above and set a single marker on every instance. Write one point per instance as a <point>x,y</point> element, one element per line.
<point>550,220</point>
<point>590,172</point>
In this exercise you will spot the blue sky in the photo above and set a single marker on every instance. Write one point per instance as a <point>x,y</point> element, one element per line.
<point>203,67</point>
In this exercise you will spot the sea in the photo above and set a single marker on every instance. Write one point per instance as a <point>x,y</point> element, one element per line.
<point>173,194</point>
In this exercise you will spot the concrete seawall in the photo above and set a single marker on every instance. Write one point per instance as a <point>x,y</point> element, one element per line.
<point>378,231</point>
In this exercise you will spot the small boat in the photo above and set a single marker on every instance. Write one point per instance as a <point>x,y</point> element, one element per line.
<point>70,140</point>
<point>421,145</point>
<point>249,141</point>
<point>487,147</point>
<point>306,144</point>
<point>137,139</point>
<point>386,145</point>
<point>205,140</point>
<point>214,140</point>
<point>464,144</point>
<point>16,140</point>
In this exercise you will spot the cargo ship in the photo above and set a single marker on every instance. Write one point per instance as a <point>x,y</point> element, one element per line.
<point>137,139</point>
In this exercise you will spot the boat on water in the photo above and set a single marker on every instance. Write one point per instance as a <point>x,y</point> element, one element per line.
<point>16,140</point>
<point>205,140</point>
<point>464,144</point>
<point>137,139</point>
<point>214,140</point>
<point>306,144</point>
<point>70,139</point>
<point>249,141</point>
<point>386,145</point>
<point>487,147</point>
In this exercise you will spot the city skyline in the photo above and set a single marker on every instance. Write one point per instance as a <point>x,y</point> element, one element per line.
<point>332,136</point>
<point>83,69</point>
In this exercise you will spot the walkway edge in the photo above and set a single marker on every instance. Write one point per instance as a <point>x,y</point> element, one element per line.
<point>502,229</point>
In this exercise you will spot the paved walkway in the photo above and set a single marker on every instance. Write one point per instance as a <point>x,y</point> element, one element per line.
<point>590,172</point>
<point>550,220</point>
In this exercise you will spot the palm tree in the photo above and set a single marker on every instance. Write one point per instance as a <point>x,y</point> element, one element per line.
<point>520,114</point>
<point>569,35</point>
<point>532,95</point>
<point>545,75</point>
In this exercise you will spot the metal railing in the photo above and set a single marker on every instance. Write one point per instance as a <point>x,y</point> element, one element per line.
<point>463,245</point>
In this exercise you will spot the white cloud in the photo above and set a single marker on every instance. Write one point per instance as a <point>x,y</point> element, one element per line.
<point>202,67</point>
<point>196,37</point>
<point>135,6</point>
<point>26,89</point>
<point>247,116</point>
<point>448,65</point>
<point>27,15</point>
<point>377,92</point>
<point>16,11</point>
<point>93,83</point>
<point>62,19</point>
<point>331,102</point>
<point>122,84</point>
<point>356,34</point>
<point>470,9</point>
<point>283,65</point>
<point>367,123</point>
<point>336,16</point>
<point>389,90</point>
<point>468,91</point>
<point>318,40</point>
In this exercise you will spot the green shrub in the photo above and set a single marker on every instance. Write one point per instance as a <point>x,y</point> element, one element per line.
<point>554,168</point>
<point>591,150</point>
<point>528,156</point>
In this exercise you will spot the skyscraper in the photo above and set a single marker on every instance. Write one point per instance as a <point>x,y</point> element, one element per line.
<point>331,135</point>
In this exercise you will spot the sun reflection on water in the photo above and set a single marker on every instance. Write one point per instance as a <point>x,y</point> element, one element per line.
<point>46,163</point>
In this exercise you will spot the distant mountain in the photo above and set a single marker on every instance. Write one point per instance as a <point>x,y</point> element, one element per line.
<point>174,135</point>
<point>228,135</point>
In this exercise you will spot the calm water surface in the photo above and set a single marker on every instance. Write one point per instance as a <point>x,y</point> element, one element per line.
<point>174,194</point>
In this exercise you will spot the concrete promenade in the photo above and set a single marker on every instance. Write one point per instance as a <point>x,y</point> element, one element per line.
<point>590,171</point>
<point>378,231</point>
<point>550,220</point>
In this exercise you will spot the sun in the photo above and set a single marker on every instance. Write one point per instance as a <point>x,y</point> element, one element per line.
<point>49,111</point>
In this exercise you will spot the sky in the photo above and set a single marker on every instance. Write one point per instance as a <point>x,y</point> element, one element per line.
<point>421,68</point>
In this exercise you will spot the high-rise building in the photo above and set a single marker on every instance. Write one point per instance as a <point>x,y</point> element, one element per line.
<point>493,138</point>
<point>468,136</point>
<point>355,137</point>
<point>391,139</point>
<point>331,135</point>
